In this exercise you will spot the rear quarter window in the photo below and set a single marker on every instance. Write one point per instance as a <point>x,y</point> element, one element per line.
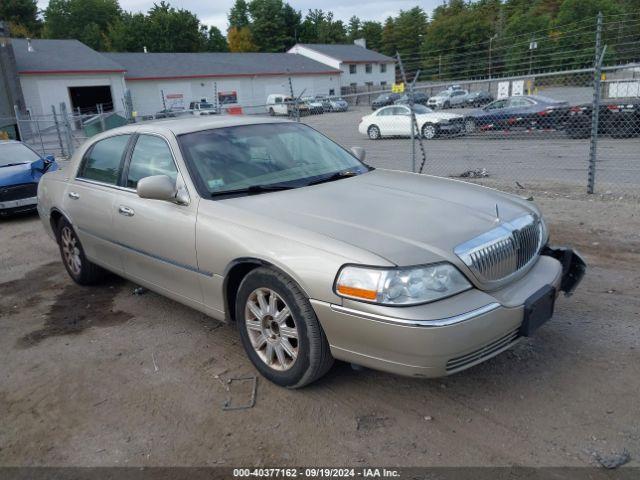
<point>103,161</point>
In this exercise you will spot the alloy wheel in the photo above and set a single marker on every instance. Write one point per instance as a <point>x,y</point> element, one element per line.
<point>272,330</point>
<point>429,132</point>
<point>71,250</point>
<point>374,132</point>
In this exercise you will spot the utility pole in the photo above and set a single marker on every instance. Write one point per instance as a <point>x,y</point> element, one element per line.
<point>439,66</point>
<point>414,122</point>
<point>595,108</point>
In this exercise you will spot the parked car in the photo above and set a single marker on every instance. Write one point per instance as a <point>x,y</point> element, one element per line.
<point>448,98</point>
<point>419,98</point>
<point>315,107</point>
<point>477,99</point>
<point>169,113</point>
<point>311,253</point>
<point>396,121</point>
<point>617,117</point>
<point>280,104</point>
<point>203,108</point>
<point>383,100</point>
<point>21,168</point>
<point>333,104</point>
<point>528,111</point>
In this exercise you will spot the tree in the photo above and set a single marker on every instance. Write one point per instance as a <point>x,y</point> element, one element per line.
<point>354,28</point>
<point>268,25</point>
<point>372,33</point>
<point>85,20</point>
<point>239,14</point>
<point>216,42</point>
<point>319,27</point>
<point>22,16</point>
<point>292,19</point>
<point>240,40</point>
<point>164,29</point>
<point>389,46</point>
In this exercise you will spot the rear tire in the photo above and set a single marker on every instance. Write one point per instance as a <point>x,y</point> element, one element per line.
<point>374,132</point>
<point>79,268</point>
<point>446,105</point>
<point>279,329</point>
<point>469,126</point>
<point>271,112</point>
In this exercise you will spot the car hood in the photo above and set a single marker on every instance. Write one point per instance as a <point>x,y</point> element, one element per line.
<point>23,173</point>
<point>16,175</point>
<point>405,218</point>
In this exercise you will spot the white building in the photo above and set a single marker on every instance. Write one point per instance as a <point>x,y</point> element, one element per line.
<point>52,72</point>
<point>160,81</point>
<point>358,65</point>
<point>67,71</point>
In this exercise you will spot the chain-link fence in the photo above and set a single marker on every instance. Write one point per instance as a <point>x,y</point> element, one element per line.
<point>560,130</point>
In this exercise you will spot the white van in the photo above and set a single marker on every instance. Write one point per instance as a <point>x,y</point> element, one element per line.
<point>278,104</point>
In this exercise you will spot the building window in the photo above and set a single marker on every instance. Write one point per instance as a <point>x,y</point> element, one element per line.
<point>369,84</point>
<point>332,92</point>
<point>368,68</point>
<point>383,84</point>
<point>383,68</point>
<point>352,68</point>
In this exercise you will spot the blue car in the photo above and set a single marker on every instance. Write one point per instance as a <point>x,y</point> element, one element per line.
<point>526,111</point>
<point>20,171</point>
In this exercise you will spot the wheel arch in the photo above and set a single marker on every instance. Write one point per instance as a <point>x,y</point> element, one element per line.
<point>236,271</point>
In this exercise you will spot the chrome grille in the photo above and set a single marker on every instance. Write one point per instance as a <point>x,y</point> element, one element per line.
<point>496,255</point>
<point>482,353</point>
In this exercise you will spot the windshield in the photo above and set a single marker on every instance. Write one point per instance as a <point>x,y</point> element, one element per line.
<point>444,93</point>
<point>11,153</point>
<point>233,158</point>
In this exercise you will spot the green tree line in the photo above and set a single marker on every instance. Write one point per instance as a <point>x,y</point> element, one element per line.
<point>458,39</point>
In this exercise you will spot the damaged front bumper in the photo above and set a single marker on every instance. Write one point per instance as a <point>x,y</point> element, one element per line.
<point>573,267</point>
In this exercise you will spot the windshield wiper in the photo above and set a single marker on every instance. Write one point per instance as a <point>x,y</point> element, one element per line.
<point>335,176</point>
<point>13,164</point>
<point>253,189</point>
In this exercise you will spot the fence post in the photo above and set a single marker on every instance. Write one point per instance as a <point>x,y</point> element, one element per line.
<point>413,131</point>
<point>595,107</point>
<point>17,113</point>
<point>67,128</point>
<point>55,120</point>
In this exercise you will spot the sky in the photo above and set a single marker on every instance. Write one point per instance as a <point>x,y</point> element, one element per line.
<point>214,12</point>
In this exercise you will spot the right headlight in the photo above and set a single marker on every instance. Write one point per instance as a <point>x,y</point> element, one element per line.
<point>400,286</point>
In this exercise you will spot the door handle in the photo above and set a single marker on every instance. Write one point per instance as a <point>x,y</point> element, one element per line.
<point>73,195</point>
<point>126,211</point>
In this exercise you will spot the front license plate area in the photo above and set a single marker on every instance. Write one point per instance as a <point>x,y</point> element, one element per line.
<point>538,309</point>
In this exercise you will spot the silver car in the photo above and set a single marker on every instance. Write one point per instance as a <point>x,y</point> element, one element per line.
<point>312,254</point>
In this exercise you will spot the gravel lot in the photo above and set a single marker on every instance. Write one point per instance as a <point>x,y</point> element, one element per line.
<point>100,376</point>
<point>538,157</point>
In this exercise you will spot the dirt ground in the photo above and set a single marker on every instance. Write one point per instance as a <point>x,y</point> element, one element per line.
<point>101,376</point>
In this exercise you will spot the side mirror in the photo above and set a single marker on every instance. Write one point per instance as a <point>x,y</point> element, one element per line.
<point>359,153</point>
<point>49,159</point>
<point>157,187</point>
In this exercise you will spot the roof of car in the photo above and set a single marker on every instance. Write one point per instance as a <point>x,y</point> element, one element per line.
<point>182,125</point>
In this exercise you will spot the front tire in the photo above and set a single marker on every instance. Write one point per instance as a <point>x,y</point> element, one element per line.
<point>374,132</point>
<point>429,131</point>
<point>79,268</point>
<point>279,329</point>
<point>271,112</point>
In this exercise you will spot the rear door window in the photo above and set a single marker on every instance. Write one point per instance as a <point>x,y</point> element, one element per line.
<point>103,162</point>
<point>151,156</point>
